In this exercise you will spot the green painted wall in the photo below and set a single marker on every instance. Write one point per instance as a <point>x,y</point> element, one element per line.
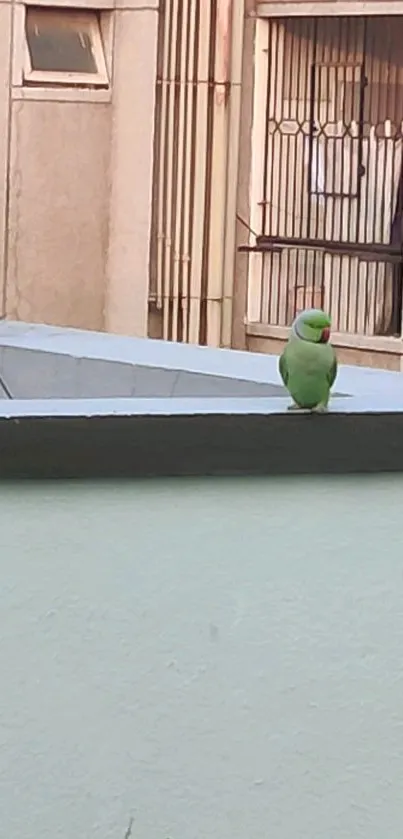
<point>216,658</point>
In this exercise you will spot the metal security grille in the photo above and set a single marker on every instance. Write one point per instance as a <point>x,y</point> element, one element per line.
<point>331,209</point>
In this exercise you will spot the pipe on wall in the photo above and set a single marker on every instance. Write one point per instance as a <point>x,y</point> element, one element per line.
<point>166,23</point>
<point>188,175</point>
<point>217,198</point>
<point>175,45</point>
<point>198,168</point>
<point>234,122</point>
<point>200,171</point>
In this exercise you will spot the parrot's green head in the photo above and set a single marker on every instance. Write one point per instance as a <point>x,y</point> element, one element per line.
<point>312,325</point>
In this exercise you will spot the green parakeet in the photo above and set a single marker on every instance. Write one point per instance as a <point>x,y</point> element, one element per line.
<point>308,364</point>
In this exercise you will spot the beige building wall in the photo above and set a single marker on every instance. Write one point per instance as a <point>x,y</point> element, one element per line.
<point>76,175</point>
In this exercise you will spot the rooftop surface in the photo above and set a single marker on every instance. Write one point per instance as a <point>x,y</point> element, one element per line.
<point>76,403</point>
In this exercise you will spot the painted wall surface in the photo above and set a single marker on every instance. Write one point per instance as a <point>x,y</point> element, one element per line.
<point>214,658</point>
<point>76,177</point>
<point>59,207</point>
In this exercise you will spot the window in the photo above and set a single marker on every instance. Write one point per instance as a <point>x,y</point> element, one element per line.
<point>64,46</point>
<point>336,133</point>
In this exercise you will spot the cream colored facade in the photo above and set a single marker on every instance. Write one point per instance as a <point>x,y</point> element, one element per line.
<point>125,196</point>
<point>76,176</point>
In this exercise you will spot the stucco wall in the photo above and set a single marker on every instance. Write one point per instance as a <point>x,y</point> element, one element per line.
<point>75,179</point>
<point>5,41</point>
<point>214,658</point>
<point>58,219</point>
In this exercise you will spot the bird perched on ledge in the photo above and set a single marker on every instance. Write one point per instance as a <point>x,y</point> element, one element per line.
<point>308,364</point>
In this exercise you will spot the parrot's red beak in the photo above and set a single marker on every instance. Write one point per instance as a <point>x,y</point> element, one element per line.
<point>325,335</point>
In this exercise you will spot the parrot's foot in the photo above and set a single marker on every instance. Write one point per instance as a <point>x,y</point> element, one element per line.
<point>294,407</point>
<point>322,408</point>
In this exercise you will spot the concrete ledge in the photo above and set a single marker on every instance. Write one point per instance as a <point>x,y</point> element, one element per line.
<point>191,444</point>
<point>79,345</point>
<point>133,408</point>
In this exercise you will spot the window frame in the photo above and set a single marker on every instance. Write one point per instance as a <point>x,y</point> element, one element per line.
<point>89,21</point>
<point>336,87</point>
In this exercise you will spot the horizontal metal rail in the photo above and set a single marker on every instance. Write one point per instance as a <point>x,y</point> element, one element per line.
<point>371,252</point>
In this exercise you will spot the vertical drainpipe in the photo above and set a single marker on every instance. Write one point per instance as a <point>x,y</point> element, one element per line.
<point>218,173</point>
<point>237,34</point>
<point>224,171</point>
<point>201,152</point>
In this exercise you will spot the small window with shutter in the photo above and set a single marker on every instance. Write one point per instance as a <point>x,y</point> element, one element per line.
<point>64,47</point>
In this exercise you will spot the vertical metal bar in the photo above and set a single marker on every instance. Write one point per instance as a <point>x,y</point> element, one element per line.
<point>209,168</point>
<point>347,141</point>
<point>310,48</point>
<point>312,123</point>
<point>396,211</point>
<point>170,173</point>
<point>219,161</point>
<point>272,59</point>
<point>200,169</point>
<point>233,144</point>
<point>309,28</point>
<point>298,142</point>
<point>322,71</point>
<point>387,113</point>
<point>276,203</point>
<point>339,146</point>
<point>179,174</point>
<point>296,68</point>
<point>161,232</point>
<point>355,269</point>
<point>397,276</point>
<point>155,289</point>
<point>399,268</point>
<point>271,28</point>
<point>361,225</point>
<point>372,81</point>
<point>364,83</point>
<point>190,115</point>
<point>285,182</point>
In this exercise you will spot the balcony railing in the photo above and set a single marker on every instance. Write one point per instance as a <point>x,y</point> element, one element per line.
<point>360,285</point>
